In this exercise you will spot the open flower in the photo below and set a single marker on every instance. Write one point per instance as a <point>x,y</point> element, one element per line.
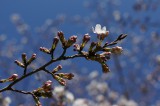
<point>99,30</point>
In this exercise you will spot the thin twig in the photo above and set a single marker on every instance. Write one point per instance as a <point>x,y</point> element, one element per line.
<point>25,70</point>
<point>42,68</point>
<point>19,91</point>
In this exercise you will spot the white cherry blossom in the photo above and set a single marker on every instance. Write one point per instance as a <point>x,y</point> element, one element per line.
<point>99,30</point>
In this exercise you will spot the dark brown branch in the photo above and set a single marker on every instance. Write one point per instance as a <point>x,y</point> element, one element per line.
<point>41,68</point>
<point>19,91</point>
<point>25,70</point>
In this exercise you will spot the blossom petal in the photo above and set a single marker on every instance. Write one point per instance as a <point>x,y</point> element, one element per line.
<point>93,30</point>
<point>98,28</point>
<point>104,28</point>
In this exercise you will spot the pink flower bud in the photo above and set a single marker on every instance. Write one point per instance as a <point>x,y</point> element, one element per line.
<point>33,57</point>
<point>55,42</point>
<point>60,34</point>
<point>59,67</point>
<point>62,38</point>
<point>47,86</point>
<point>73,38</point>
<point>13,77</point>
<point>62,82</point>
<point>71,41</point>
<point>86,38</point>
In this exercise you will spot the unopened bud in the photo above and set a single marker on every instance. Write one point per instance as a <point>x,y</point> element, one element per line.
<point>55,42</point>
<point>61,37</point>
<point>60,80</point>
<point>47,86</point>
<point>31,59</point>
<point>24,58</point>
<point>13,77</point>
<point>68,76</point>
<point>19,63</point>
<point>117,50</point>
<point>86,38</point>
<point>71,41</point>
<point>45,50</point>
<point>59,67</point>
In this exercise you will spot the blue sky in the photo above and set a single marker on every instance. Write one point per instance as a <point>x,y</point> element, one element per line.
<point>36,12</point>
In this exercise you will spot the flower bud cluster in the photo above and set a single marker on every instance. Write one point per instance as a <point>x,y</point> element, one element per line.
<point>45,90</point>
<point>96,47</point>
<point>60,77</point>
<point>25,62</point>
<point>101,58</point>
<point>96,52</point>
<point>52,49</point>
<point>66,43</point>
